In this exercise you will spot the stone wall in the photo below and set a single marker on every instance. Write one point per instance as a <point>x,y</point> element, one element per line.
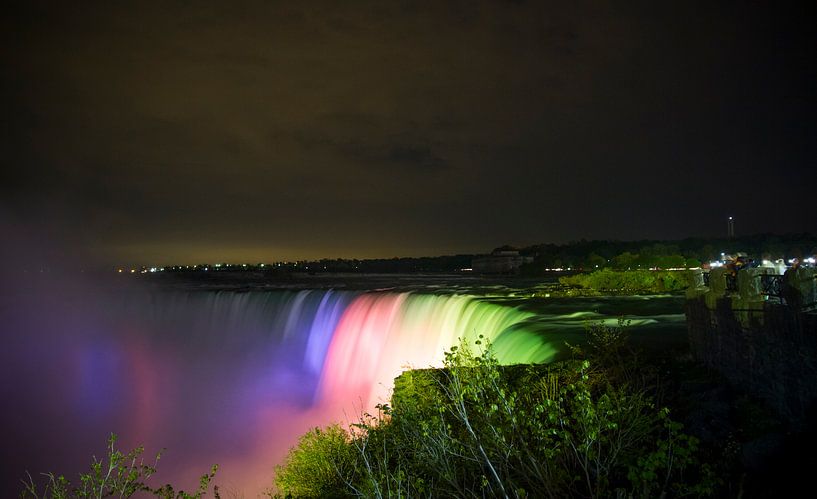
<point>765,344</point>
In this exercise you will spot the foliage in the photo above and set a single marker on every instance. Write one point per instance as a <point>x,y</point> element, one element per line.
<point>319,466</point>
<point>630,281</point>
<point>118,475</point>
<point>475,428</point>
<point>604,345</point>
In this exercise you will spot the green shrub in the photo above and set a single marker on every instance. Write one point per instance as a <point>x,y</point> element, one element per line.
<point>630,281</point>
<point>475,428</point>
<point>322,464</point>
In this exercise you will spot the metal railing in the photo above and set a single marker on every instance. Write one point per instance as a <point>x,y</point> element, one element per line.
<point>772,285</point>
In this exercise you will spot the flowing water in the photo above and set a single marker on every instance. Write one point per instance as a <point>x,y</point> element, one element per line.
<point>232,375</point>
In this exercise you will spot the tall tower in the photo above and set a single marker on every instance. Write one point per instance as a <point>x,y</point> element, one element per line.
<point>730,227</point>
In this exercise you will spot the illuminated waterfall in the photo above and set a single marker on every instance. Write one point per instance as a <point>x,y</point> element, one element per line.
<point>345,346</point>
<point>234,377</point>
<point>227,377</point>
<point>380,335</point>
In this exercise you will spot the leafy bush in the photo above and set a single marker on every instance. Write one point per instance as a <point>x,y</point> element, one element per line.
<point>118,475</point>
<point>630,281</point>
<point>475,428</point>
<point>321,465</point>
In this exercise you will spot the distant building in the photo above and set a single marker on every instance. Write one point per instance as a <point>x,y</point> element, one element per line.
<point>500,261</point>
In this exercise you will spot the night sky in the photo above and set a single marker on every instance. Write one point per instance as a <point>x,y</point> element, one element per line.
<point>191,132</point>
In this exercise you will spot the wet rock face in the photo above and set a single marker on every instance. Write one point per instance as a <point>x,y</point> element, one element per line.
<point>709,418</point>
<point>756,453</point>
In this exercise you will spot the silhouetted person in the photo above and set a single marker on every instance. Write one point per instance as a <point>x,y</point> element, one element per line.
<point>791,286</point>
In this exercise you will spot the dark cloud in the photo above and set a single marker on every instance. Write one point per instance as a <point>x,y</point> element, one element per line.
<point>167,130</point>
<point>370,150</point>
<point>418,156</point>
